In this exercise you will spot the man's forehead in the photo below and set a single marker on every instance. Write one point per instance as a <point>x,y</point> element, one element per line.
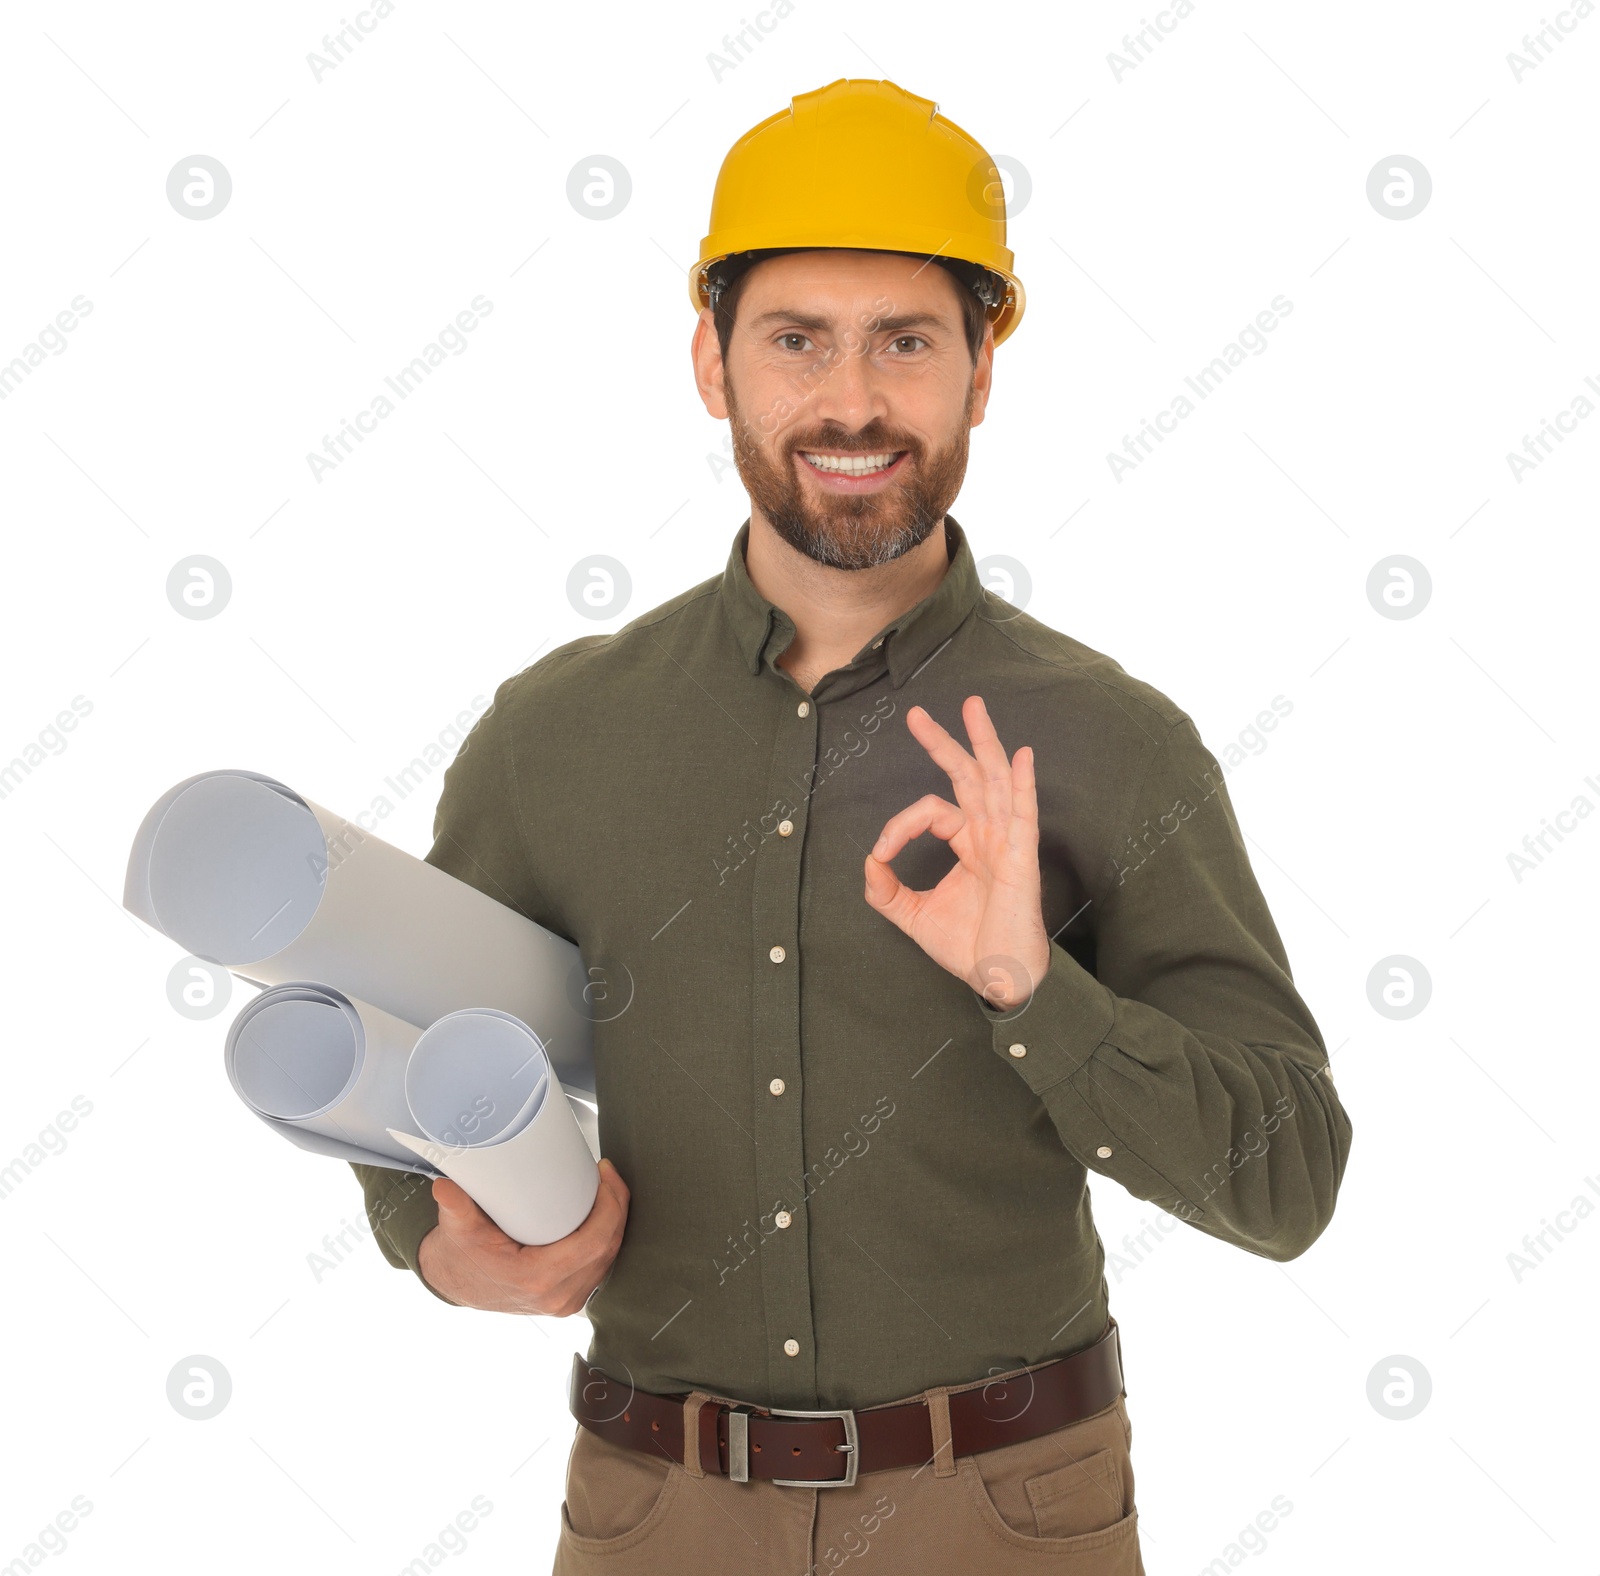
<point>838,283</point>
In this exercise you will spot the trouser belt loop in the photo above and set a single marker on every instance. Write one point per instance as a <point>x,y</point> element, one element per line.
<point>691,1431</point>
<point>944,1456</point>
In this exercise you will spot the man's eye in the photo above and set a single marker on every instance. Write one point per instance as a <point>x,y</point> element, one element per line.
<point>915,339</point>
<point>783,338</point>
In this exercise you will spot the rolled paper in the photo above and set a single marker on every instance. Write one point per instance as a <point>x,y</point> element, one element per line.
<point>239,869</point>
<point>324,1070</point>
<point>588,1115</point>
<point>489,1113</point>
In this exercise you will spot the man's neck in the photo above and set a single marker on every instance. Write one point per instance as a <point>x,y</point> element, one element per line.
<point>835,611</point>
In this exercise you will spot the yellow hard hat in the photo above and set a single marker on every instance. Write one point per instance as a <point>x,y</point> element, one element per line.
<point>864,165</point>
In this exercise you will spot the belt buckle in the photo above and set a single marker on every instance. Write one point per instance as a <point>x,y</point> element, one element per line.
<point>851,1447</point>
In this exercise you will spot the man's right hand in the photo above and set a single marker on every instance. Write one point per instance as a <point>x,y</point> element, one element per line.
<point>470,1260</point>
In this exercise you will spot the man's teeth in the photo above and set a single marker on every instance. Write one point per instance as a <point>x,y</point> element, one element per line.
<point>853,464</point>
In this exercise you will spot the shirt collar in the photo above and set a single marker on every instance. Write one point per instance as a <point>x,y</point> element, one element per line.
<point>763,630</point>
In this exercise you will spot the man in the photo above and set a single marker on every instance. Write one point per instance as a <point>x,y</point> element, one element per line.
<point>871,995</point>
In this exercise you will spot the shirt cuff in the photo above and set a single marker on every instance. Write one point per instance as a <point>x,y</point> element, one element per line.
<point>1057,1029</point>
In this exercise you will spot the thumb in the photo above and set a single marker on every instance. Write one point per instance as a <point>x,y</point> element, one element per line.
<point>884,889</point>
<point>455,1203</point>
<point>611,1180</point>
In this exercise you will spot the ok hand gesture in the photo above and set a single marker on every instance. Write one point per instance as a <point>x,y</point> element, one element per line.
<point>984,921</point>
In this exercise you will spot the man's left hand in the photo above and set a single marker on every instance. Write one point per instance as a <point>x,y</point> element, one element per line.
<point>984,921</point>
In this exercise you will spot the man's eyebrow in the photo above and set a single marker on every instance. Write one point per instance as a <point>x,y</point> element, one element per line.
<point>810,320</point>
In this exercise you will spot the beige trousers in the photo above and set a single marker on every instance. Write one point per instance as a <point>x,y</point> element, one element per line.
<point>1061,1502</point>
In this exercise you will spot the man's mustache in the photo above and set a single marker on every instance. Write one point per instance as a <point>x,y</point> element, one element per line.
<point>854,445</point>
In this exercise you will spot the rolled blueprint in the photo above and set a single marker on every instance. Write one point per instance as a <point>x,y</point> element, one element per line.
<point>491,1116</point>
<point>326,1072</point>
<point>242,871</point>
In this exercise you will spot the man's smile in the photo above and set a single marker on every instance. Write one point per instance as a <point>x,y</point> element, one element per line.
<point>853,473</point>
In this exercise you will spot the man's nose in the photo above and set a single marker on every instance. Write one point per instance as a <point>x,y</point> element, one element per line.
<point>850,393</point>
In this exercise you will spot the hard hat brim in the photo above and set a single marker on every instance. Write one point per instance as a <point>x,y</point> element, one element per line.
<point>1003,318</point>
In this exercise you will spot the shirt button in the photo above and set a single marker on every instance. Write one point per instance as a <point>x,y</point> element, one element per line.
<point>783,1217</point>
<point>1019,1050</point>
<point>1104,1151</point>
<point>804,710</point>
<point>792,1347</point>
<point>785,828</point>
<point>777,954</point>
<point>777,1086</point>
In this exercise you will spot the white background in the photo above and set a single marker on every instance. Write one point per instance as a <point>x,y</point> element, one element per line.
<point>369,608</point>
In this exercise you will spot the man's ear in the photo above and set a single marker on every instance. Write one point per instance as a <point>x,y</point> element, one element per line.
<point>705,353</point>
<point>983,375</point>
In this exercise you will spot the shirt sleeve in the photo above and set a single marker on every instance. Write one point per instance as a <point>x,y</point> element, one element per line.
<point>477,838</point>
<point>401,1212</point>
<point>1186,1066</point>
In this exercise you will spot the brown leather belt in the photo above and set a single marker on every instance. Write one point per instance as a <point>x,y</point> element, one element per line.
<point>744,1440</point>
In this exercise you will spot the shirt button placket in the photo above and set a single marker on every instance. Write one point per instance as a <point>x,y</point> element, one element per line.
<point>780,1148</point>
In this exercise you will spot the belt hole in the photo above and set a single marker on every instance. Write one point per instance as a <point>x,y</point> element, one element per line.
<point>655,1428</point>
<point>756,1448</point>
<point>795,1451</point>
<point>626,1418</point>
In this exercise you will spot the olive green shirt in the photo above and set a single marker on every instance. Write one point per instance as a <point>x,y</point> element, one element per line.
<point>852,1177</point>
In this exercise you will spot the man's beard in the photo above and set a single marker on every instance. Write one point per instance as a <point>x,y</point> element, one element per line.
<point>838,529</point>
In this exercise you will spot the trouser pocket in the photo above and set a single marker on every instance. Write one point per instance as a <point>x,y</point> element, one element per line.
<point>616,1498</point>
